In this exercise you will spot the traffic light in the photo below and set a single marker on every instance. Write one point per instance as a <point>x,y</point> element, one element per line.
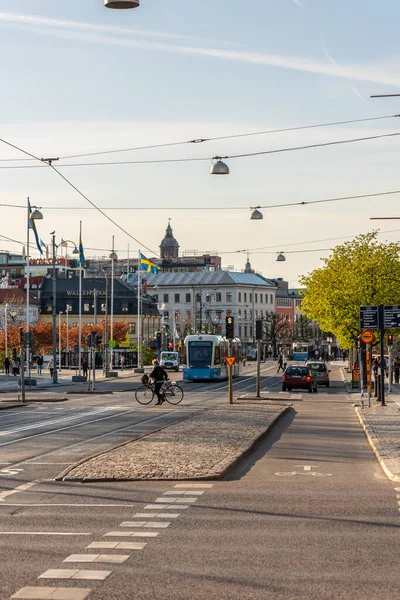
<point>230,328</point>
<point>14,354</point>
<point>99,339</point>
<point>259,329</point>
<point>390,339</point>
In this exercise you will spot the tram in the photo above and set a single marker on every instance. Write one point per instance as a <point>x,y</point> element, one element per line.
<point>302,351</point>
<point>204,357</point>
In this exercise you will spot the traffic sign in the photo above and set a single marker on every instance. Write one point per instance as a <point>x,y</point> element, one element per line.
<point>391,318</point>
<point>111,343</point>
<point>230,360</point>
<point>369,317</point>
<point>367,337</point>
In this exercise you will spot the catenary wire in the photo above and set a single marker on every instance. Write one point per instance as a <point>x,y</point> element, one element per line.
<point>207,158</point>
<point>211,139</point>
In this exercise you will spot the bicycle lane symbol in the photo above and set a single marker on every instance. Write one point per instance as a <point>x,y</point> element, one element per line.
<point>307,470</point>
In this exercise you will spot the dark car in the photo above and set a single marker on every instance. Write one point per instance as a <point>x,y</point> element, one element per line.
<point>299,377</point>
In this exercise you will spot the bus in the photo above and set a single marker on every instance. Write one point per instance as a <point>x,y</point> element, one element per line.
<point>204,357</point>
<point>302,351</point>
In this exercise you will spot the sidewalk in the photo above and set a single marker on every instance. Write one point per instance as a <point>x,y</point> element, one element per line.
<point>382,428</point>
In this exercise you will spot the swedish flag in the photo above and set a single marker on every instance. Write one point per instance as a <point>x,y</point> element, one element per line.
<point>147,265</point>
<point>32,225</point>
<point>82,260</point>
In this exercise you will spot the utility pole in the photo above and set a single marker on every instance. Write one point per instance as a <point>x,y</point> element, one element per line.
<point>95,305</point>
<point>107,369</point>
<point>22,364</point>
<point>55,374</point>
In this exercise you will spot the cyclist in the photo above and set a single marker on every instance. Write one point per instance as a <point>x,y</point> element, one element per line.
<point>159,375</point>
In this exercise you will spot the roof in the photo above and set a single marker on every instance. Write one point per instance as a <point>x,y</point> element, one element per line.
<point>208,278</point>
<point>17,296</point>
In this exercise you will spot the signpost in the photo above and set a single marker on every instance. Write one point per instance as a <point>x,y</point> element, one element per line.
<point>230,361</point>
<point>369,318</point>
<point>367,337</point>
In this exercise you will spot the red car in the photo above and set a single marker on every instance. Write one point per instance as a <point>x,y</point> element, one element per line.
<point>302,378</point>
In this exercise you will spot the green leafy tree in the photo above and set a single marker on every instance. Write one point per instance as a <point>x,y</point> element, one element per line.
<point>362,272</point>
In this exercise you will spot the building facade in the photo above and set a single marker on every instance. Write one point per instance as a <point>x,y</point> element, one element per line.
<point>200,302</point>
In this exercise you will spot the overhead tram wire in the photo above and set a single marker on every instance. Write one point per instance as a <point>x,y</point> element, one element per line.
<point>49,162</point>
<point>212,139</point>
<point>207,158</point>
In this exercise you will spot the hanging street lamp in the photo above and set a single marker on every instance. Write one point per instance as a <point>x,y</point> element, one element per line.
<point>218,167</point>
<point>121,3</point>
<point>256,215</point>
<point>281,257</point>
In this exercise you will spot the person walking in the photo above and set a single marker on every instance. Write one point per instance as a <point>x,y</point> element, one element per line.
<point>280,363</point>
<point>396,370</point>
<point>84,367</point>
<point>7,365</point>
<point>51,367</point>
<point>158,375</point>
<point>39,364</point>
<point>122,363</point>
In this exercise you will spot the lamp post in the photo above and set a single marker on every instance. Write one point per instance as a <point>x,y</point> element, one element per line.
<point>113,257</point>
<point>6,328</point>
<point>33,214</point>
<point>59,339</point>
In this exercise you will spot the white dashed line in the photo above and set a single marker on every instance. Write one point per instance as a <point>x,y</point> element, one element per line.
<point>194,485</point>
<point>161,524</point>
<point>131,534</point>
<point>156,515</point>
<point>97,558</point>
<point>118,545</point>
<point>47,593</point>
<point>166,506</point>
<point>75,574</point>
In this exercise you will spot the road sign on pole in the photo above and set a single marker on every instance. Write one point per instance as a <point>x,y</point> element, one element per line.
<point>391,317</point>
<point>367,337</point>
<point>369,318</point>
<point>230,361</point>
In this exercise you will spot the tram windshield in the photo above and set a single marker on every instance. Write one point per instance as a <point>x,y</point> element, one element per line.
<point>200,354</point>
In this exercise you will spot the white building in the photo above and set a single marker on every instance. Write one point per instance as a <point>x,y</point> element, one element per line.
<point>200,301</point>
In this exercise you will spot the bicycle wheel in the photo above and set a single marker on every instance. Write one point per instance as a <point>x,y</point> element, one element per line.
<point>173,394</point>
<point>144,394</point>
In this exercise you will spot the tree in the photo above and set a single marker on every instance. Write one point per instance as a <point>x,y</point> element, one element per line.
<point>272,326</point>
<point>362,272</point>
<point>303,329</point>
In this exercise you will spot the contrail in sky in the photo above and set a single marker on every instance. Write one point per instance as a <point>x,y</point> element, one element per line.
<point>100,34</point>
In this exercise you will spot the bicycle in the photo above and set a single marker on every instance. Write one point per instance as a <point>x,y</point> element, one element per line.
<point>172,392</point>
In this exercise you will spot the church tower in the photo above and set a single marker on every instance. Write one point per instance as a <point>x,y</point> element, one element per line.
<point>169,248</point>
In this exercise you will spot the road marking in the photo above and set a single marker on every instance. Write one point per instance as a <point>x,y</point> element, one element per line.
<point>71,505</point>
<point>166,507</point>
<point>97,558</point>
<point>52,422</point>
<point>306,467</point>
<point>160,524</point>
<point>131,534</point>
<point>190,493</point>
<point>194,485</point>
<point>118,545</point>
<point>68,533</point>
<point>75,574</point>
<point>49,593</point>
<point>156,515</point>
<point>20,488</point>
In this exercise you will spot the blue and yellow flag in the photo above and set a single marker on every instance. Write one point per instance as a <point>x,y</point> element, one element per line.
<point>148,266</point>
<point>31,225</point>
<point>82,260</point>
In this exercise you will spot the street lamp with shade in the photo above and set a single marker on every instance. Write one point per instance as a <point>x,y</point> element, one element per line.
<point>121,3</point>
<point>281,257</point>
<point>33,214</point>
<point>218,167</point>
<point>256,215</point>
<point>113,257</point>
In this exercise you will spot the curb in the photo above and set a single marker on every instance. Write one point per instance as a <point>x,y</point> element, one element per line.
<point>246,449</point>
<point>377,448</point>
<point>9,406</point>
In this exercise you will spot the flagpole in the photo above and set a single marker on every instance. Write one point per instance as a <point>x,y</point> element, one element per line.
<point>139,328</point>
<point>127,266</point>
<point>80,301</point>
<point>28,350</point>
<point>112,303</point>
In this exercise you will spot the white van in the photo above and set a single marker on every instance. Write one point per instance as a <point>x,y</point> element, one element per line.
<point>170,360</point>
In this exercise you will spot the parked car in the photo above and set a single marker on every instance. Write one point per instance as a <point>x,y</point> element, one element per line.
<point>299,377</point>
<point>321,371</point>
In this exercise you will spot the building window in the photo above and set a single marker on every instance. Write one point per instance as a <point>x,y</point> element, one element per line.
<point>245,313</point>
<point>218,297</point>
<point>271,298</point>
<point>166,298</point>
<point>250,314</point>
<point>177,316</point>
<point>228,313</point>
<point>240,331</point>
<point>177,298</point>
<point>155,298</point>
<point>239,296</point>
<point>245,296</point>
<point>256,298</point>
<point>261,314</point>
<point>251,331</point>
<point>266,298</point>
<point>239,312</point>
<point>86,307</point>
<point>188,298</point>
<point>198,297</point>
<point>103,308</point>
<point>250,297</point>
<point>229,297</point>
<point>245,331</point>
<point>256,314</point>
<point>124,307</point>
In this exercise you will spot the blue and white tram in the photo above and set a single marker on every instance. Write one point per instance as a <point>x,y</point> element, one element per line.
<point>205,358</point>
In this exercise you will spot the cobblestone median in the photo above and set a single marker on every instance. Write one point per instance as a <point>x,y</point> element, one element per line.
<point>382,427</point>
<point>205,446</point>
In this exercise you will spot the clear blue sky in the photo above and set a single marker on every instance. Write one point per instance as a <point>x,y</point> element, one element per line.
<point>78,77</point>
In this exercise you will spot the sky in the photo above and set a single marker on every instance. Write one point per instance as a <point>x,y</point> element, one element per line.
<point>77,78</point>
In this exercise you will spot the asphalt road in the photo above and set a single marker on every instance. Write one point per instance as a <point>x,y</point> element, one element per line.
<point>258,534</point>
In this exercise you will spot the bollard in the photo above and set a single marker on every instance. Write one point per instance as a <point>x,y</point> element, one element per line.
<point>376,386</point>
<point>378,383</point>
